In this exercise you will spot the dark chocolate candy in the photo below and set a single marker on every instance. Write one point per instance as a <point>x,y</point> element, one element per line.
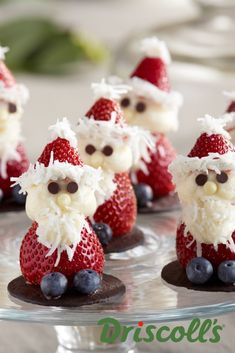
<point>112,289</point>
<point>125,242</point>
<point>175,275</point>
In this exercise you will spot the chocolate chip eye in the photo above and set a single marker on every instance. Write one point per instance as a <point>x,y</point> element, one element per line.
<point>90,149</point>
<point>201,179</point>
<point>125,102</point>
<point>53,187</point>
<point>12,108</point>
<point>107,150</point>
<point>140,107</point>
<point>222,177</point>
<point>72,187</point>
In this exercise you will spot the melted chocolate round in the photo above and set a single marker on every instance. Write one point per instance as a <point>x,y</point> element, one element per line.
<point>107,150</point>
<point>125,102</point>
<point>53,188</point>
<point>163,204</point>
<point>12,108</point>
<point>111,289</point>
<point>125,242</point>
<point>90,149</point>
<point>201,179</point>
<point>72,187</point>
<point>175,275</point>
<point>140,107</point>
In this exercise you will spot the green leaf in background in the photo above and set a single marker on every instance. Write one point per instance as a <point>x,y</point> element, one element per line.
<point>40,45</point>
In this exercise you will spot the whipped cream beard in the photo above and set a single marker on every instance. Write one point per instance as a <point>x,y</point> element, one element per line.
<point>112,158</point>
<point>10,128</point>
<point>153,116</point>
<point>208,209</point>
<point>60,208</point>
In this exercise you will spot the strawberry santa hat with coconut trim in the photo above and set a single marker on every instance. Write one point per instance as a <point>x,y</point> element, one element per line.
<point>105,121</point>
<point>150,78</point>
<point>10,91</point>
<point>61,161</point>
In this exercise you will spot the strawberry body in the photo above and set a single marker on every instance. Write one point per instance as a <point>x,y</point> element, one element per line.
<point>186,249</point>
<point>14,169</point>
<point>34,263</point>
<point>158,176</point>
<point>119,212</point>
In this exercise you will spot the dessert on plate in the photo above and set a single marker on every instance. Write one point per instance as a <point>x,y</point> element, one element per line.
<point>60,256</point>
<point>205,239</point>
<point>13,159</point>
<point>105,141</point>
<point>152,105</point>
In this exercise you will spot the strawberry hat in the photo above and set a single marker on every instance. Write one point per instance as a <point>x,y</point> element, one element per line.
<point>9,89</point>
<point>60,160</point>
<point>150,77</point>
<point>212,150</point>
<point>105,120</point>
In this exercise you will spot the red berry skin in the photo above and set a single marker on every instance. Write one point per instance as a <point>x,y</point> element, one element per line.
<point>103,109</point>
<point>120,211</point>
<point>62,151</point>
<point>214,143</point>
<point>154,71</point>
<point>159,177</point>
<point>14,169</point>
<point>34,263</point>
<point>6,76</point>
<point>186,249</point>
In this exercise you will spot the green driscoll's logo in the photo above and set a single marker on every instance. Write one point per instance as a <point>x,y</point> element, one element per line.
<point>202,331</point>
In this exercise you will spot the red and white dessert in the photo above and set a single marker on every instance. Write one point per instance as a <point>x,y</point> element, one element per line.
<point>107,142</point>
<point>205,182</point>
<point>152,105</point>
<point>13,159</point>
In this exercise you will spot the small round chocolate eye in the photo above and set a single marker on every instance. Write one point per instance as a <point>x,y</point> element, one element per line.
<point>222,177</point>
<point>107,150</point>
<point>53,187</point>
<point>201,179</point>
<point>140,107</point>
<point>90,149</point>
<point>12,108</point>
<point>125,102</point>
<point>72,187</point>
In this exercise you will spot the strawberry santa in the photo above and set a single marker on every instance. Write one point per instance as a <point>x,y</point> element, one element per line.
<point>152,104</point>
<point>205,182</point>
<point>62,192</point>
<point>107,142</point>
<point>13,159</point>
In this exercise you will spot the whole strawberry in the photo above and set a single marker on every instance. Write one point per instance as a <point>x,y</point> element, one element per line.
<point>119,212</point>
<point>13,159</point>
<point>158,176</point>
<point>61,194</point>
<point>205,182</point>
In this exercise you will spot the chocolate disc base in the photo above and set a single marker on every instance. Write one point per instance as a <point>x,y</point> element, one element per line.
<point>125,242</point>
<point>174,274</point>
<point>162,204</point>
<point>111,289</point>
<point>9,205</point>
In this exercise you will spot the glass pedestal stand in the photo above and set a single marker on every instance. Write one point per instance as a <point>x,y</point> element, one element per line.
<point>147,299</point>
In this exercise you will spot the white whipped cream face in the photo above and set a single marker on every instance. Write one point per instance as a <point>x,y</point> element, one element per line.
<point>39,198</point>
<point>208,210</point>
<point>112,158</point>
<point>155,117</point>
<point>10,128</point>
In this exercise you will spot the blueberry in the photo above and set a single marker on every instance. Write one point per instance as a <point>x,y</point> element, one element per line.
<point>143,193</point>
<point>53,285</point>
<point>103,232</point>
<point>18,198</point>
<point>226,271</point>
<point>86,281</point>
<point>199,270</point>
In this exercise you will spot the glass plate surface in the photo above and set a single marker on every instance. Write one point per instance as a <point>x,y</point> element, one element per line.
<point>147,298</point>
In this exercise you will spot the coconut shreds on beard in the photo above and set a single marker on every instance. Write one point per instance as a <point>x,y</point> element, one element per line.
<point>213,223</point>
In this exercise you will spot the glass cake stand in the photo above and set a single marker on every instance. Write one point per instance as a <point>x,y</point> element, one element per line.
<point>147,299</point>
